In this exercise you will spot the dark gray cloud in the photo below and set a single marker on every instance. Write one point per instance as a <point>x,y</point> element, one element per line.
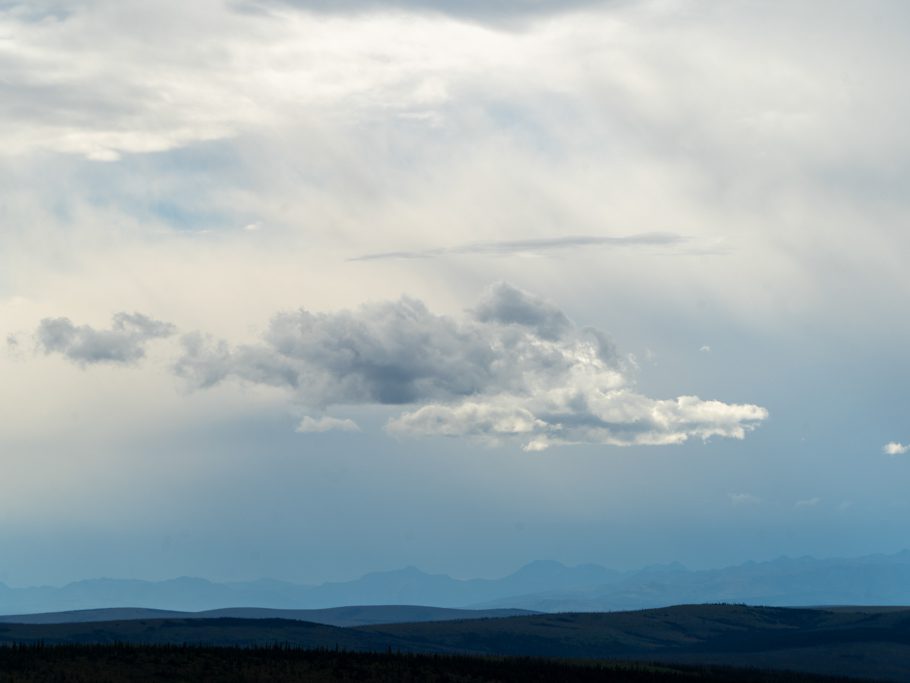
<point>515,368</point>
<point>123,343</point>
<point>504,248</point>
<point>489,11</point>
<point>511,306</point>
<point>390,353</point>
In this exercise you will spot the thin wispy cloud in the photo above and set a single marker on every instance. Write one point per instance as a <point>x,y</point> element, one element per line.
<point>744,499</point>
<point>808,502</point>
<point>531,246</point>
<point>326,424</point>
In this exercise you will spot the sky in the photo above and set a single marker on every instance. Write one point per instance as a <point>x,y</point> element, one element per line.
<point>304,290</point>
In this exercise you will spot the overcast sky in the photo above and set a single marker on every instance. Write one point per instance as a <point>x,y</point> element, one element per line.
<point>306,289</point>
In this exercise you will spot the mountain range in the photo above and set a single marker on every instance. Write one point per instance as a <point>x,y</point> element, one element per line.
<point>543,586</point>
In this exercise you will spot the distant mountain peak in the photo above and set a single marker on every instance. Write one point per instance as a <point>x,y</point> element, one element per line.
<point>538,567</point>
<point>410,570</point>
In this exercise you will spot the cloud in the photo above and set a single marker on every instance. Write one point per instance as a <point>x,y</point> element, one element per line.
<point>744,499</point>
<point>123,343</point>
<point>326,424</point>
<point>496,11</point>
<point>895,448</point>
<point>508,305</point>
<point>515,368</point>
<point>808,502</point>
<point>531,246</point>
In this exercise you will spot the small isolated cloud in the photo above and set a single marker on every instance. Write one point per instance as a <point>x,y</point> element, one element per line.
<point>252,227</point>
<point>532,246</point>
<point>123,343</point>
<point>808,502</point>
<point>326,424</point>
<point>895,448</point>
<point>705,349</point>
<point>743,499</point>
<point>516,368</point>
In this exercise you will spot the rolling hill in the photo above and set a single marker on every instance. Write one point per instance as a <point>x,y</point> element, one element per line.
<point>335,616</point>
<point>862,642</point>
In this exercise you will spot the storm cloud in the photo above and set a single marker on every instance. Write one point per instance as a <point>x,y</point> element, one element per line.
<point>123,343</point>
<point>514,368</point>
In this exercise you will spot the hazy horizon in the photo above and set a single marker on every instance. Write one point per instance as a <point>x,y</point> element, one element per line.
<point>469,577</point>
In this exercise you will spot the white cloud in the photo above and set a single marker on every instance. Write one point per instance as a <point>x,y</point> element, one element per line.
<point>326,424</point>
<point>86,82</point>
<point>516,369</point>
<point>895,448</point>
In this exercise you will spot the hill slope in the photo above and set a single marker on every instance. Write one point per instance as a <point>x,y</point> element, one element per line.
<point>862,642</point>
<point>222,632</point>
<point>334,616</point>
<point>152,664</point>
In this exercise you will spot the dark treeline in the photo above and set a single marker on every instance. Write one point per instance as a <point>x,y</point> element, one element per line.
<point>279,664</point>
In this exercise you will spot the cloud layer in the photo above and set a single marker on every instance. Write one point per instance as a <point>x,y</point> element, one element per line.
<point>516,368</point>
